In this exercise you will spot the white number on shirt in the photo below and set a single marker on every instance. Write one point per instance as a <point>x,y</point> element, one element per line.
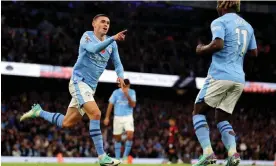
<point>244,34</point>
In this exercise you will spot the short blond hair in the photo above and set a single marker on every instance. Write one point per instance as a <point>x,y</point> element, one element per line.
<point>226,4</point>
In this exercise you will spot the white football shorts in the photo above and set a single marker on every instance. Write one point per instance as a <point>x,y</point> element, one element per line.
<point>122,123</point>
<point>81,93</point>
<point>222,94</point>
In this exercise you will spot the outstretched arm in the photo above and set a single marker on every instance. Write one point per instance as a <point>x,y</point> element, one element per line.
<point>94,48</point>
<point>117,62</point>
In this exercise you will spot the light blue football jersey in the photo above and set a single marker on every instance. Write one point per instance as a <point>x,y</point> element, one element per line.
<point>120,102</point>
<point>93,57</point>
<point>238,36</point>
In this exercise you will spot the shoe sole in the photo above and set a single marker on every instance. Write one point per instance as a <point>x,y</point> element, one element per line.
<point>208,162</point>
<point>23,117</point>
<point>235,163</point>
<point>110,164</point>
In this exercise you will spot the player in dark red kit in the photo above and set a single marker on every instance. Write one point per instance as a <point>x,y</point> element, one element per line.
<point>171,146</point>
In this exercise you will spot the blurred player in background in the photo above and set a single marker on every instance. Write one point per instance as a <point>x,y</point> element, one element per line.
<point>124,100</point>
<point>232,38</point>
<point>94,52</point>
<point>171,148</point>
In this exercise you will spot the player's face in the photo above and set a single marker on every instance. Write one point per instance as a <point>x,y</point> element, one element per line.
<point>171,122</point>
<point>101,25</point>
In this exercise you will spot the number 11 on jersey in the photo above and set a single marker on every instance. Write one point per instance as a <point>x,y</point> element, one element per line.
<point>244,43</point>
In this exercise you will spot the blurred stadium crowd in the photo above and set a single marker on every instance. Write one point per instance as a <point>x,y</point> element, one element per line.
<point>161,38</point>
<point>158,41</point>
<point>254,124</point>
<point>38,138</point>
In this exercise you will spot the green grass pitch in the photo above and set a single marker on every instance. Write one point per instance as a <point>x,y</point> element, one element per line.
<point>65,164</point>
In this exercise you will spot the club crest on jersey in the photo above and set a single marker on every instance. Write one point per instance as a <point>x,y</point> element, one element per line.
<point>86,39</point>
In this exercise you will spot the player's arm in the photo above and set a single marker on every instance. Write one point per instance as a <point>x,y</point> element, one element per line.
<point>94,48</point>
<point>87,44</point>
<point>252,47</point>
<point>131,98</point>
<point>109,109</point>
<point>119,69</point>
<point>217,43</point>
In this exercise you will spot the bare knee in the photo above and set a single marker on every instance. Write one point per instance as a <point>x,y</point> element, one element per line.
<point>92,110</point>
<point>118,138</point>
<point>130,136</point>
<point>222,116</point>
<point>201,108</point>
<point>95,114</point>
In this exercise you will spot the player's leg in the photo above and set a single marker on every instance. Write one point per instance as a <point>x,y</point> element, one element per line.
<point>117,135</point>
<point>223,114</point>
<point>72,116</point>
<point>199,118</point>
<point>203,133</point>
<point>129,143</point>
<point>129,128</point>
<point>226,130</point>
<point>84,95</point>
<point>94,114</point>
<point>37,111</point>
<point>209,96</point>
<point>117,145</point>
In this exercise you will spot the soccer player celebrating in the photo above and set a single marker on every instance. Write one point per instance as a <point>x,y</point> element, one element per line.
<point>232,38</point>
<point>94,52</point>
<point>124,100</point>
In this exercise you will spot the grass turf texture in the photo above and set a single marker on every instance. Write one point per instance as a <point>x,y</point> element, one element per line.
<point>67,164</point>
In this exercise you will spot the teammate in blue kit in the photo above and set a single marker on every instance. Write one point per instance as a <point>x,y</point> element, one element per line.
<point>94,52</point>
<point>123,100</point>
<point>233,37</point>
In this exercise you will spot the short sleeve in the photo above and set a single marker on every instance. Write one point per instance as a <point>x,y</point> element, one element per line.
<point>218,30</point>
<point>252,43</point>
<point>112,98</point>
